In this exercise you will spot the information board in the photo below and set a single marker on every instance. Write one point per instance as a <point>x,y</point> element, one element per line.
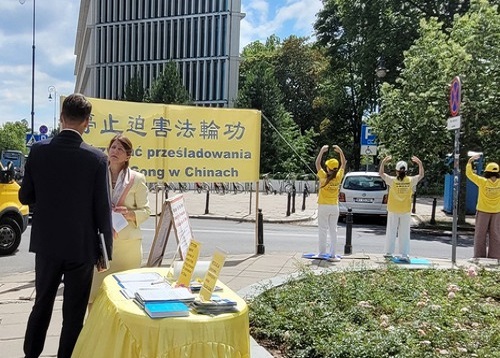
<point>174,215</point>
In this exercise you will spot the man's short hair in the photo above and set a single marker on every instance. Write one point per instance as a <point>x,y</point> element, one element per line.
<point>76,108</point>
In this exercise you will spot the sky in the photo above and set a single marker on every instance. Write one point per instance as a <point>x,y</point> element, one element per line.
<point>55,32</point>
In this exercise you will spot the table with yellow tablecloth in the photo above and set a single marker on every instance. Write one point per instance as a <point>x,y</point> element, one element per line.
<point>117,327</point>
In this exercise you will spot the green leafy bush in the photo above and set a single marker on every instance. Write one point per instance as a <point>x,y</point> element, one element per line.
<point>390,312</point>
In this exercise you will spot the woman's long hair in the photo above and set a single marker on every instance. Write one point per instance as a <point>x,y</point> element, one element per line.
<point>330,175</point>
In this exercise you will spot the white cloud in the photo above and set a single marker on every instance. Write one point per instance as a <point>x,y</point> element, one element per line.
<point>293,17</point>
<point>56,22</point>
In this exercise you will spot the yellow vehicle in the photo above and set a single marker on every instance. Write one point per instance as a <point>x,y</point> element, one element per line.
<point>13,214</point>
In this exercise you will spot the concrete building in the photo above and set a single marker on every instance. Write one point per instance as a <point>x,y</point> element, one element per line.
<point>117,39</point>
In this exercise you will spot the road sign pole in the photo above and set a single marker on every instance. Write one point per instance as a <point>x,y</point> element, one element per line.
<point>454,123</point>
<point>456,189</point>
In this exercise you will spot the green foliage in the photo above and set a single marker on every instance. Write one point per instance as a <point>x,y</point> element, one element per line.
<point>13,136</point>
<point>168,88</point>
<point>354,34</point>
<point>298,69</point>
<point>283,147</point>
<point>134,90</point>
<point>383,313</point>
<point>416,108</point>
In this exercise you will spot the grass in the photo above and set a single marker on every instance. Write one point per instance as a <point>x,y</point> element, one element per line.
<point>391,312</point>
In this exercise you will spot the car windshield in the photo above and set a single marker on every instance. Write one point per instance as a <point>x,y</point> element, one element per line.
<point>364,182</point>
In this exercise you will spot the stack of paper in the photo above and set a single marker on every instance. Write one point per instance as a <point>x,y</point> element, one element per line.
<point>196,286</point>
<point>215,306</point>
<point>163,293</point>
<point>162,309</point>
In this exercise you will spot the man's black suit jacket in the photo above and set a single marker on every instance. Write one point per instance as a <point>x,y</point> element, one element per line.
<point>67,179</point>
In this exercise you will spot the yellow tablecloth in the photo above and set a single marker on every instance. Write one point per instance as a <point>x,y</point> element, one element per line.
<point>117,328</point>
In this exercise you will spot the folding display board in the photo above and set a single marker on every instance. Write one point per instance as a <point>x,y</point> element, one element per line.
<point>173,215</point>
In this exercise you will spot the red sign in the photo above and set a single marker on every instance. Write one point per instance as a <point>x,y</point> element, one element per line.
<point>455,96</point>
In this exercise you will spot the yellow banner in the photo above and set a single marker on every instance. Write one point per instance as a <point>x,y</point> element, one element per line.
<point>181,143</point>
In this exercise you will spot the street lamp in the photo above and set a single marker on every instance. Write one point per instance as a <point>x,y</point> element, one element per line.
<point>32,73</point>
<point>381,70</point>
<point>53,97</point>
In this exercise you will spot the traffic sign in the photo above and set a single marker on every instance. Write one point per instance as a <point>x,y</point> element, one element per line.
<point>32,138</point>
<point>367,138</point>
<point>44,129</point>
<point>453,123</point>
<point>455,96</point>
<point>368,150</point>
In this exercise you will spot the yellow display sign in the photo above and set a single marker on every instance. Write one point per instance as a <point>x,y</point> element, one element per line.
<point>181,143</point>
<point>212,276</point>
<point>190,260</point>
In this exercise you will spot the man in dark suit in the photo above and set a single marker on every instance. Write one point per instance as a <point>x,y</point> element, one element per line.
<point>67,179</point>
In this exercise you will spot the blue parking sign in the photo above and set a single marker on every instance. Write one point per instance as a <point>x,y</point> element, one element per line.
<point>367,138</point>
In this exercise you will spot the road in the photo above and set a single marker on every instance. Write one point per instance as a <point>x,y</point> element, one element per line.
<point>238,238</point>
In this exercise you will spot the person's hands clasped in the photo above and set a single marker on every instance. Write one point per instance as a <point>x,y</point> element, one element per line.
<point>128,214</point>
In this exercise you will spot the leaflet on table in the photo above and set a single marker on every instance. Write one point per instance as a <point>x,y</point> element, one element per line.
<point>195,286</point>
<point>119,221</point>
<point>150,277</point>
<point>164,309</point>
<point>130,288</point>
<point>147,294</point>
<point>216,305</point>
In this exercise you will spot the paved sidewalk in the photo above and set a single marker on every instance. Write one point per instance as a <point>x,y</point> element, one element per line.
<point>246,274</point>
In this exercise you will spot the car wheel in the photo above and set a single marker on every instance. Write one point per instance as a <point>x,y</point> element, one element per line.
<point>10,236</point>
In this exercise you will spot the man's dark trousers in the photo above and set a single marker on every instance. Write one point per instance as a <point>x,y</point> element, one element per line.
<point>77,280</point>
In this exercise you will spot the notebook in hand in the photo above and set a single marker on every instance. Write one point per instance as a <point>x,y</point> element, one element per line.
<point>103,259</point>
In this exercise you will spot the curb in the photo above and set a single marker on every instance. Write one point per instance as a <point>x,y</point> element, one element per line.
<point>251,219</point>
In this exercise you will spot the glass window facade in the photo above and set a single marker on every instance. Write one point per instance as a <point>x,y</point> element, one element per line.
<point>121,38</point>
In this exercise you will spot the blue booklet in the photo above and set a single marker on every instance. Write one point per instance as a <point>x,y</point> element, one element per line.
<point>161,309</point>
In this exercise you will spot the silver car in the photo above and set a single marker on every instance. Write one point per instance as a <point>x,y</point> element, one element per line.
<point>364,192</point>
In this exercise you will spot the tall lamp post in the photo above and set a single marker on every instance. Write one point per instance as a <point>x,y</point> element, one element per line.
<point>380,71</point>
<point>53,97</point>
<point>32,73</point>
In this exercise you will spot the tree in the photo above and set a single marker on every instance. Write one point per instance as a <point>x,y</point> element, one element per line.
<point>13,136</point>
<point>415,109</point>
<point>134,90</point>
<point>279,133</point>
<point>298,67</point>
<point>168,88</point>
<point>354,34</point>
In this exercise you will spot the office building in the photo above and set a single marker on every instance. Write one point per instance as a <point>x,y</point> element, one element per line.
<point>117,39</point>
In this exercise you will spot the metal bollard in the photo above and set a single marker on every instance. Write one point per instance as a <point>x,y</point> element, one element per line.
<point>207,201</point>
<point>348,232</point>
<point>433,215</point>
<point>413,209</point>
<point>289,197</point>
<point>260,234</point>
<point>304,195</point>
<point>294,192</point>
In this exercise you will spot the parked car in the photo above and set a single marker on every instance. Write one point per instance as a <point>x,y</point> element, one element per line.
<point>364,192</point>
<point>18,160</point>
<point>13,214</point>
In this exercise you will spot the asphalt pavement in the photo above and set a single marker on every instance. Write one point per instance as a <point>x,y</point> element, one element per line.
<point>245,274</point>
